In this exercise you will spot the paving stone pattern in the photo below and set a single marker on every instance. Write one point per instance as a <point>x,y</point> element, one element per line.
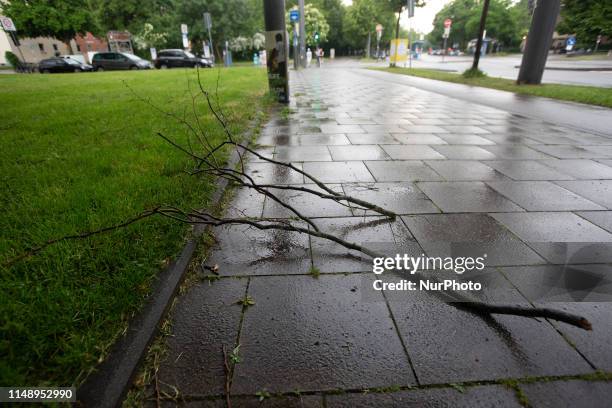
<point>453,171</point>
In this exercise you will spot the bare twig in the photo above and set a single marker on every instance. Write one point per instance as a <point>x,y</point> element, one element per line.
<point>228,378</point>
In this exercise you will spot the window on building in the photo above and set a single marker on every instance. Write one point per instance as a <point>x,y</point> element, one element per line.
<point>54,47</point>
<point>41,47</point>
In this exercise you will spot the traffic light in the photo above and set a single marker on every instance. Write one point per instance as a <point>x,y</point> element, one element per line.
<point>316,37</point>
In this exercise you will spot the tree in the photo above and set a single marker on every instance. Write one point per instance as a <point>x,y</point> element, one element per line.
<point>361,19</point>
<point>587,19</point>
<point>315,23</point>
<point>334,12</point>
<point>62,19</point>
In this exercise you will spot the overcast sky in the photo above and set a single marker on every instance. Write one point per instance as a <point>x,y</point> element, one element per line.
<point>423,16</point>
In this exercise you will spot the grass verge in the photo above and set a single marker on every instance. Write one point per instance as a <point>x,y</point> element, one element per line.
<point>80,152</point>
<point>583,94</point>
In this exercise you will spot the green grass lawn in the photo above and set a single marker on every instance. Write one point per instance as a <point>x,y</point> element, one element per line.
<point>583,94</point>
<point>80,152</point>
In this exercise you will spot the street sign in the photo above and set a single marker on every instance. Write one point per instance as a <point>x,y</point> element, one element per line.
<point>184,29</point>
<point>446,32</point>
<point>571,41</point>
<point>410,7</point>
<point>379,28</point>
<point>598,39</point>
<point>207,21</point>
<point>447,23</point>
<point>7,24</point>
<point>294,16</point>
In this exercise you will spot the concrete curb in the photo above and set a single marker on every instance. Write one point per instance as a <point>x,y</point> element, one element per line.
<point>581,69</point>
<point>108,385</point>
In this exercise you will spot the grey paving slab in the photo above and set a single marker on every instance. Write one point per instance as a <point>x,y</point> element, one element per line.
<point>466,129</point>
<point>270,173</point>
<point>361,152</point>
<point>509,139</point>
<point>471,397</point>
<point>542,196</point>
<point>425,129</point>
<point>470,348</point>
<point>376,233</point>
<point>411,170</point>
<point>307,204</point>
<point>465,139</point>
<point>551,139</point>
<point>514,152</point>
<point>467,196</point>
<point>470,235</point>
<point>465,152</point>
<point>382,129</point>
<point>334,128</point>
<point>243,250</point>
<point>598,191</point>
<point>418,138</point>
<point>464,170</point>
<point>599,149</point>
<point>568,394</point>
<point>316,139</point>
<point>527,170</point>
<point>302,153</point>
<point>401,198</point>
<point>356,121</point>
<point>339,172</point>
<point>568,152</point>
<point>194,360</point>
<point>602,219</point>
<point>581,169</point>
<point>246,202</point>
<point>552,227</point>
<point>267,152</point>
<point>316,334</point>
<point>412,152</point>
<point>371,138</point>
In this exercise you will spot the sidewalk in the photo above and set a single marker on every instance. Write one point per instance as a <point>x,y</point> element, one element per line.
<point>454,171</point>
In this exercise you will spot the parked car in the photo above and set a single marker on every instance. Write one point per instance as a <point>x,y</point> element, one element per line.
<point>180,58</point>
<point>58,64</point>
<point>108,61</point>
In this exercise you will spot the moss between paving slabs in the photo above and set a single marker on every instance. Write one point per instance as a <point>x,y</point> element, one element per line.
<point>583,94</point>
<point>80,152</point>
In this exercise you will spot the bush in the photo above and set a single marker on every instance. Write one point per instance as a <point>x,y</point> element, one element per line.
<point>473,73</point>
<point>12,59</point>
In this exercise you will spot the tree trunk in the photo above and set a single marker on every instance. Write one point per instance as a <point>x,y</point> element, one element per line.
<point>481,28</point>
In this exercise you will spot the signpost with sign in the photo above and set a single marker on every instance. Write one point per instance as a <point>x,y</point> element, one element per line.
<point>447,26</point>
<point>208,26</point>
<point>8,26</point>
<point>184,33</point>
<point>569,45</point>
<point>294,17</point>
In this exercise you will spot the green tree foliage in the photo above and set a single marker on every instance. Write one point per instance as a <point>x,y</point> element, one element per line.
<point>62,19</point>
<point>587,19</point>
<point>361,19</point>
<point>315,22</point>
<point>505,22</point>
<point>334,12</point>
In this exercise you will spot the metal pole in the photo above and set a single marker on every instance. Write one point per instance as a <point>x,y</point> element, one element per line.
<point>277,48</point>
<point>369,46</point>
<point>302,34</point>
<point>538,41</point>
<point>409,42</point>
<point>208,24</point>
<point>444,49</point>
<point>483,21</point>
<point>296,52</point>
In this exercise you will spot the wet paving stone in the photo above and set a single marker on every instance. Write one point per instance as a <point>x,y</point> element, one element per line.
<point>542,196</point>
<point>401,198</point>
<point>581,169</point>
<point>511,152</point>
<point>339,172</point>
<point>465,139</point>
<point>422,138</point>
<point>412,152</point>
<point>509,139</point>
<point>466,129</point>
<point>470,235</point>
<point>402,171</point>
<point>371,138</point>
<point>470,397</point>
<point>382,129</point>
<point>598,191</point>
<point>307,204</point>
<point>467,196</point>
<point>334,128</point>
<point>362,152</point>
<point>447,344</point>
<point>375,233</point>
<point>205,318</point>
<point>244,250</point>
<point>317,334</point>
<point>568,152</point>
<point>246,202</point>
<point>464,170</point>
<point>465,152</point>
<point>526,170</point>
<point>316,139</point>
<point>552,227</point>
<point>302,153</point>
<point>568,394</point>
<point>270,173</point>
<point>424,129</point>
<point>602,219</point>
